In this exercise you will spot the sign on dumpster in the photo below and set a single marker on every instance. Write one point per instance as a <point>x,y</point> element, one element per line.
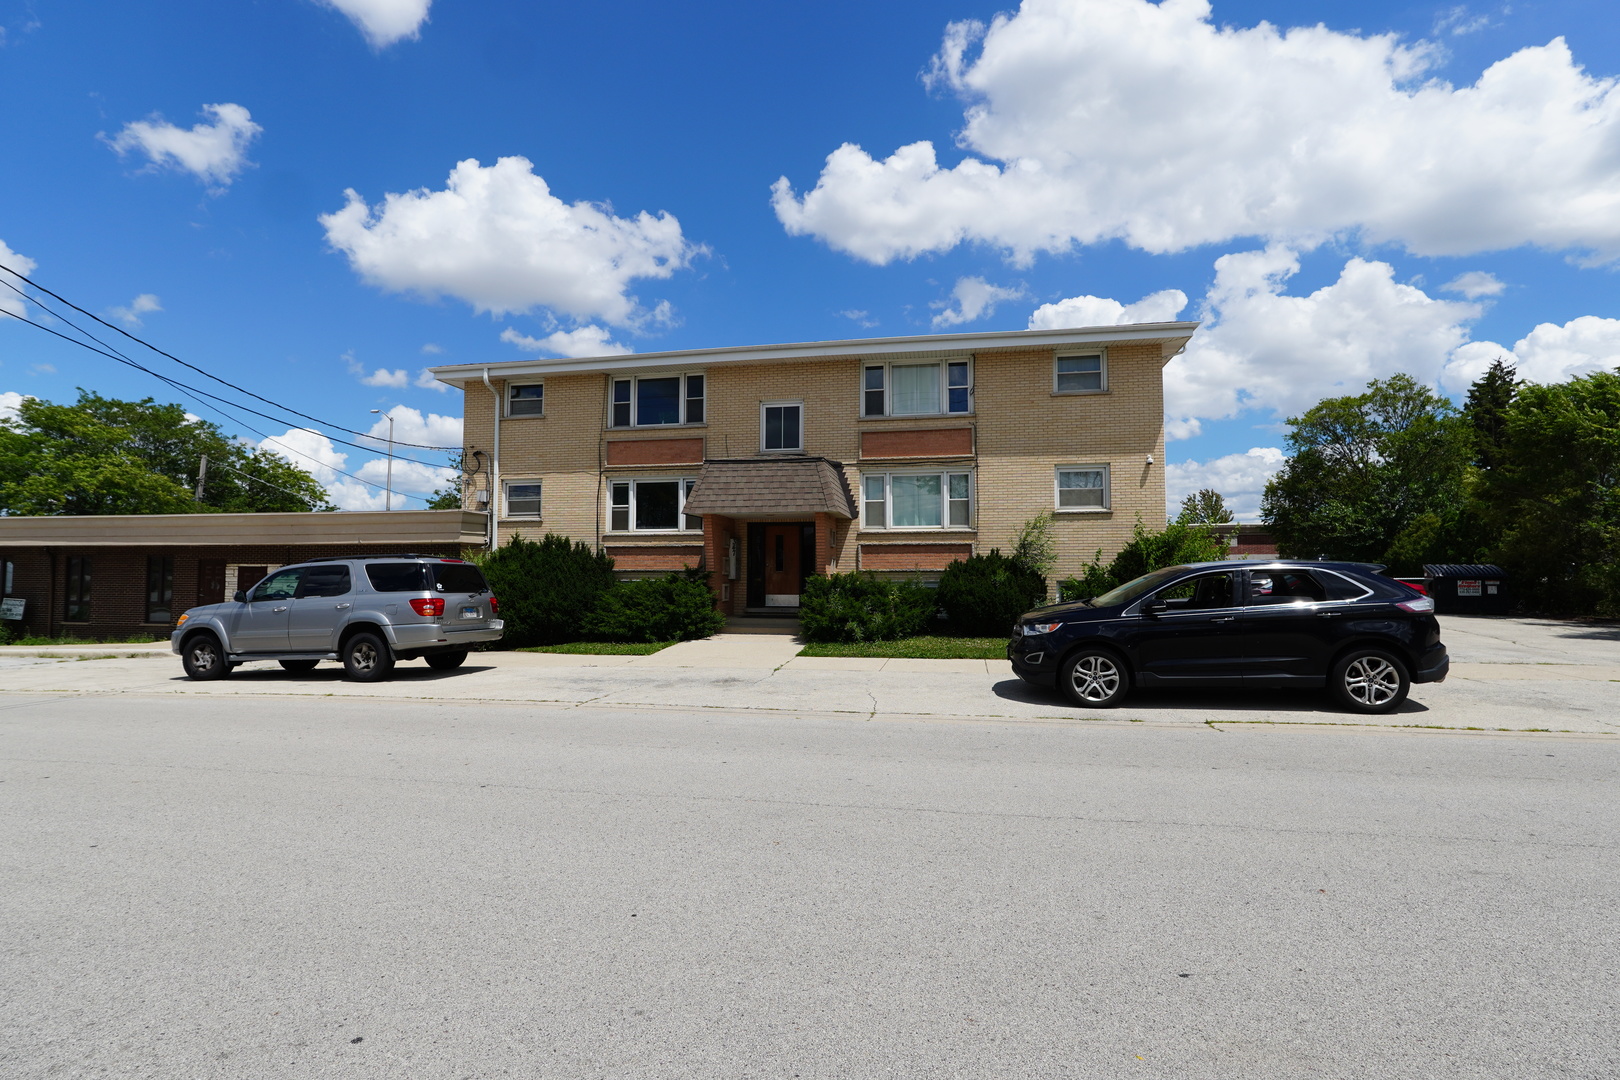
<point>1468,587</point>
<point>12,607</point>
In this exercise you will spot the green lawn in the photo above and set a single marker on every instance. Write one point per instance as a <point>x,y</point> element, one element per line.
<point>37,641</point>
<point>603,648</point>
<point>919,648</point>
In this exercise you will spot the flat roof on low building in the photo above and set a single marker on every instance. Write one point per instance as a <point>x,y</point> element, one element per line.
<point>398,530</point>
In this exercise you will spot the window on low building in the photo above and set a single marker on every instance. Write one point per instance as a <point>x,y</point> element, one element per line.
<point>916,389</point>
<point>1079,374</point>
<point>159,589</point>
<point>78,589</point>
<point>657,401</point>
<point>1082,487</point>
<point>917,500</point>
<point>781,425</point>
<point>523,498</point>
<point>652,505</point>
<point>526,400</point>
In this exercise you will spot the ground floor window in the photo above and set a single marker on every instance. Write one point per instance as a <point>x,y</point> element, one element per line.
<point>159,589</point>
<point>652,505</point>
<point>917,500</point>
<point>1082,487</point>
<point>78,589</point>
<point>523,499</point>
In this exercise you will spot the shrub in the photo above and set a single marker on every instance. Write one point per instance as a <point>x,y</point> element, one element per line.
<point>1036,547</point>
<point>1145,553</point>
<point>546,588</point>
<point>982,595</point>
<point>864,607</point>
<point>675,607</point>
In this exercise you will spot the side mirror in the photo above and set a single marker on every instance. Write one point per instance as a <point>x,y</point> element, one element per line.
<point>239,596</point>
<point>1156,607</point>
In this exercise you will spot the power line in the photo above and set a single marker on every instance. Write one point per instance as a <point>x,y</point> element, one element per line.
<point>194,367</point>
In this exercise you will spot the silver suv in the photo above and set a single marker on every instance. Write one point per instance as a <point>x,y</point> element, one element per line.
<point>366,612</point>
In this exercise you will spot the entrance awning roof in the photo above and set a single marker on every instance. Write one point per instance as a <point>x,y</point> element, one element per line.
<point>772,488</point>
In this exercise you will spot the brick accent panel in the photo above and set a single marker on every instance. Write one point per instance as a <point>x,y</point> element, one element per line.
<point>912,556</point>
<point>718,531</point>
<point>662,558</point>
<point>655,451</point>
<point>921,443</point>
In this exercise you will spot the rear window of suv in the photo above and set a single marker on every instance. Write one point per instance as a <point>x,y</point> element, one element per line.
<point>397,576</point>
<point>458,577</point>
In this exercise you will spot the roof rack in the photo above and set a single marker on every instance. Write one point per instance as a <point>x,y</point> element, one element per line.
<point>385,555</point>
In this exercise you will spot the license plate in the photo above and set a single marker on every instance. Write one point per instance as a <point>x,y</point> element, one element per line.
<point>471,613</point>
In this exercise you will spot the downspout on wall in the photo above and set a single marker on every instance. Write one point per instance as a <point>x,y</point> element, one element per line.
<point>494,466</point>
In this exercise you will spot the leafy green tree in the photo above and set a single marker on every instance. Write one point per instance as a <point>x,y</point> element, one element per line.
<point>1489,400</point>
<point>1554,496</point>
<point>1381,476</point>
<point>106,456</point>
<point>448,497</point>
<point>1148,551</point>
<point>1036,547</point>
<point>1204,507</point>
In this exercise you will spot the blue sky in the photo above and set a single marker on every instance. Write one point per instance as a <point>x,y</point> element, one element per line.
<point>1341,191</point>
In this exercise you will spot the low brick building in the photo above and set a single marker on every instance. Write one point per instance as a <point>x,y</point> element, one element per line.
<point>126,575</point>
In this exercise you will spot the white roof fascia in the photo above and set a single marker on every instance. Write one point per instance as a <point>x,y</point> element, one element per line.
<point>821,350</point>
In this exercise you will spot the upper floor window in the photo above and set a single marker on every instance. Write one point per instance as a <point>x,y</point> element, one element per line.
<point>654,401</point>
<point>781,425</point>
<point>526,400</point>
<point>1086,374</point>
<point>652,505</point>
<point>1082,487</point>
<point>916,389</point>
<point>932,500</point>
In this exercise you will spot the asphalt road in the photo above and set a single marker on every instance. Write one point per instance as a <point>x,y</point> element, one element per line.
<point>291,887</point>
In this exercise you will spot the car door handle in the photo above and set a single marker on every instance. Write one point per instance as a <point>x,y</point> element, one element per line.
<point>278,608</point>
<point>1328,614</point>
<point>341,607</point>
<point>1223,618</point>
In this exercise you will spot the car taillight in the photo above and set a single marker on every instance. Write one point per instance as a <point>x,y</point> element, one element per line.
<point>428,605</point>
<point>494,604</point>
<point>1419,605</point>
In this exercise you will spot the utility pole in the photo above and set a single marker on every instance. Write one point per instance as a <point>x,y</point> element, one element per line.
<point>202,476</point>
<point>388,490</point>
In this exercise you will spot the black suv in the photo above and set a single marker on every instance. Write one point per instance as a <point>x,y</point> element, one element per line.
<point>1345,626</point>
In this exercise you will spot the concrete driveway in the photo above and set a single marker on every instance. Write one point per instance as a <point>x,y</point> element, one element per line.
<point>1507,674</point>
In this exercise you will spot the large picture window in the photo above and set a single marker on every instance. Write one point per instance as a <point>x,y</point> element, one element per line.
<point>916,389</point>
<point>917,500</point>
<point>1081,487</point>
<point>652,505</point>
<point>159,589</point>
<point>78,589</point>
<point>657,401</point>
<point>1086,374</point>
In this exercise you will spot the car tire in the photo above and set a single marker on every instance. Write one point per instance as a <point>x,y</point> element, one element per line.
<point>1094,678</point>
<point>298,665</point>
<point>367,658</point>
<point>1369,681</point>
<point>203,659</point>
<point>447,661</point>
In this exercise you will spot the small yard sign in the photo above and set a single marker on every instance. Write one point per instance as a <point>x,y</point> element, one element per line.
<point>12,607</point>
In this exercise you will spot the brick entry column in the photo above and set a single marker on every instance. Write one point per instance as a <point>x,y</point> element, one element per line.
<point>824,539</point>
<point>718,532</point>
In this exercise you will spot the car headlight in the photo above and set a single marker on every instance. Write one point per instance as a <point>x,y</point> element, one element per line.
<point>1031,629</point>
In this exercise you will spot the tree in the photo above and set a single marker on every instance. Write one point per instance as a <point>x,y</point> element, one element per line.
<point>1489,400</point>
<point>105,456</point>
<point>1554,497</point>
<point>448,497</point>
<point>1204,507</point>
<point>1036,547</point>
<point>1380,476</point>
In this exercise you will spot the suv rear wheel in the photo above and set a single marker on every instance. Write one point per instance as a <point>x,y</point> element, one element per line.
<point>1369,681</point>
<point>366,658</point>
<point>203,658</point>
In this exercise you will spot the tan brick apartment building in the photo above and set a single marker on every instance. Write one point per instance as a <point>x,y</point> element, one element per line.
<point>767,464</point>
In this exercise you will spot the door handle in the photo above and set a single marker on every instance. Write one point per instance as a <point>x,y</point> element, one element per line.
<point>341,607</point>
<point>1328,614</point>
<point>1223,618</point>
<point>283,608</point>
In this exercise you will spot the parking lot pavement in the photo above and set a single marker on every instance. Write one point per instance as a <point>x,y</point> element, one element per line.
<point>214,886</point>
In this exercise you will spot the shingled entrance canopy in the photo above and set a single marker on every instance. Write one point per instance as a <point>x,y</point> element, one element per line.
<point>782,488</point>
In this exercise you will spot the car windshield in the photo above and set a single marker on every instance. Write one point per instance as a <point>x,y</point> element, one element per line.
<point>1129,591</point>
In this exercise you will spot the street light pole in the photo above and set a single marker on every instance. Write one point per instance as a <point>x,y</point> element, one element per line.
<point>388,490</point>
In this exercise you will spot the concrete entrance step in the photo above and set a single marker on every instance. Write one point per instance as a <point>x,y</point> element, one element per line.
<point>762,624</point>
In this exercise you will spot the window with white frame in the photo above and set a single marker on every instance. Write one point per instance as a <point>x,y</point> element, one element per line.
<point>527,399</point>
<point>781,425</point>
<point>917,500</point>
<point>1083,374</point>
<point>652,505</point>
<point>1082,487</point>
<point>936,389</point>
<point>657,401</point>
<point>522,498</point>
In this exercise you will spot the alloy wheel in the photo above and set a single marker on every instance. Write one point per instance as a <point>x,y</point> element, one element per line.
<point>1095,678</point>
<point>204,657</point>
<point>1372,681</point>
<point>364,656</point>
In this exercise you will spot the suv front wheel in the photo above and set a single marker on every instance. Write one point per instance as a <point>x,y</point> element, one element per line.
<point>203,659</point>
<point>1094,678</point>
<point>367,658</point>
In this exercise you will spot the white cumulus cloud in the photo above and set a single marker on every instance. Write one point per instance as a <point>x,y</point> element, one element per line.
<point>498,238</point>
<point>410,477</point>
<point>1153,124</point>
<point>589,340</point>
<point>130,314</point>
<point>397,379</point>
<point>1262,349</point>
<point>384,22</point>
<point>1076,311</point>
<point>426,381</point>
<point>1549,353</point>
<point>1474,284</point>
<point>972,298</point>
<point>412,426</point>
<point>22,264</point>
<point>1240,478</point>
<point>10,402</point>
<point>213,151</point>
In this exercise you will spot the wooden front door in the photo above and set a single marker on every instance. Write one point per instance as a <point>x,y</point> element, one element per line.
<point>210,581</point>
<point>782,575</point>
